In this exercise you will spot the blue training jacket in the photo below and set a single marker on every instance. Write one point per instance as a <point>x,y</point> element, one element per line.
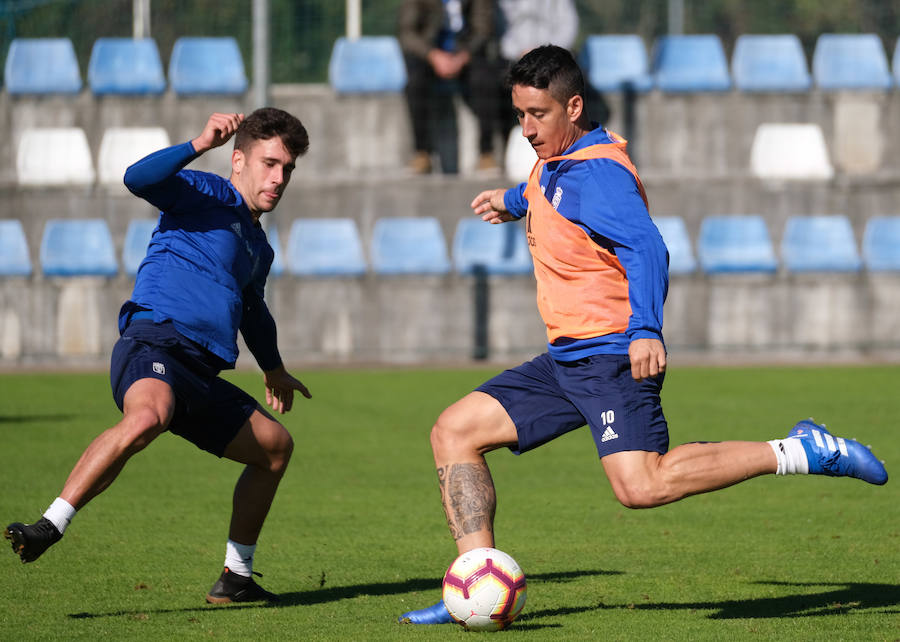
<point>207,262</point>
<point>602,197</point>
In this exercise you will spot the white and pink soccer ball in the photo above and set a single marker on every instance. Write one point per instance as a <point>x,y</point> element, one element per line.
<point>484,590</point>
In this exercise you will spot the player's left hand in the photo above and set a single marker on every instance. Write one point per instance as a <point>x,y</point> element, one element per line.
<point>280,387</point>
<point>648,358</point>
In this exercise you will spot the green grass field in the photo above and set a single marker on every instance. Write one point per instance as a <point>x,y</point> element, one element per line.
<point>357,535</point>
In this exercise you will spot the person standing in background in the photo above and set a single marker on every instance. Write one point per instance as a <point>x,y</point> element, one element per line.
<point>450,40</point>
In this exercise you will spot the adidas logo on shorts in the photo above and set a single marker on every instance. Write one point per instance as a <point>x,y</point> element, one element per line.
<point>608,434</point>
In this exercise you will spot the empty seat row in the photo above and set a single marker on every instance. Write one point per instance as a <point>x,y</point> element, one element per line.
<point>683,63</point>
<point>762,63</point>
<point>416,245</point>
<point>315,247</point>
<point>125,66</point>
<point>62,156</point>
<point>741,243</point>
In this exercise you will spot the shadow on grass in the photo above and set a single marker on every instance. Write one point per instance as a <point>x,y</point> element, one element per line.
<point>337,593</point>
<point>841,599</point>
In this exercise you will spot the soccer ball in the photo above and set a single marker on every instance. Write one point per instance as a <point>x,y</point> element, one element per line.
<point>484,590</point>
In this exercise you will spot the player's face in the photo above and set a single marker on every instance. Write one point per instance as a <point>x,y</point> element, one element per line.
<point>262,173</point>
<point>547,124</point>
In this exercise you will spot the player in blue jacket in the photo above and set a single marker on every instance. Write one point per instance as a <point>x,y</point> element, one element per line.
<point>202,280</point>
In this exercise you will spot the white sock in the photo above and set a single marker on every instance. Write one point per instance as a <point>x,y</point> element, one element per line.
<point>790,455</point>
<point>60,513</point>
<point>239,558</point>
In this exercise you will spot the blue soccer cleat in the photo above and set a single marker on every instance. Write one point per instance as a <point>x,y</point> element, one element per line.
<point>836,456</point>
<point>434,614</point>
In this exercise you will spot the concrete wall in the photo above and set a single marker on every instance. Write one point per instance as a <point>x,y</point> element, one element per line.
<point>693,152</point>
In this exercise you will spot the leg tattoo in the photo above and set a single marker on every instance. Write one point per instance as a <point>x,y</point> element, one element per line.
<point>467,492</point>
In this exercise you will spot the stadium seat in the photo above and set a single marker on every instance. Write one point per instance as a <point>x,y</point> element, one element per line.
<point>616,62</point>
<point>325,247</point>
<point>79,247</point>
<point>14,258</point>
<point>675,236</point>
<point>137,238</point>
<point>407,245</point>
<point>819,244</point>
<point>277,268</point>
<point>881,244</point>
<point>499,249</point>
<point>690,63</point>
<point>770,63</point>
<point>41,66</point>
<point>123,146</point>
<point>850,61</point>
<point>790,151</point>
<point>207,66</point>
<point>735,244</point>
<point>520,156</point>
<point>895,62</point>
<point>366,65</point>
<point>54,156</point>
<point>125,66</point>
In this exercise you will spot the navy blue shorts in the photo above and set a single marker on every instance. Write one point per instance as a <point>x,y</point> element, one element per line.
<point>209,411</point>
<point>546,398</point>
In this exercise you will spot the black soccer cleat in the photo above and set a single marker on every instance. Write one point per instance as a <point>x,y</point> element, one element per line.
<point>29,541</point>
<point>231,587</point>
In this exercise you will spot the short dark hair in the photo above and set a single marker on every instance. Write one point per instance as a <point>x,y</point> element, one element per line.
<point>268,122</point>
<point>548,67</point>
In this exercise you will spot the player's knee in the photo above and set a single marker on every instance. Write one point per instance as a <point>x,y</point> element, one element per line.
<point>451,434</point>
<point>641,495</point>
<point>140,426</point>
<point>279,448</point>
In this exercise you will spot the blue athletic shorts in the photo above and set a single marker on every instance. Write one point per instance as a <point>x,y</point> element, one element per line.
<point>546,398</point>
<point>209,411</point>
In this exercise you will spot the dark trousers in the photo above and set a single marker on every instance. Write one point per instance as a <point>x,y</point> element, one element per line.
<point>426,94</point>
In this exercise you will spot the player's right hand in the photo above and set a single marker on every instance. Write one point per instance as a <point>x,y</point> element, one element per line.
<point>218,130</point>
<point>490,206</point>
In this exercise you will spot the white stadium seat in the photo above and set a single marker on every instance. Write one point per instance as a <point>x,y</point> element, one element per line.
<point>122,146</point>
<point>54,156</point>
<point>520,156</point>
<point>790,151</point>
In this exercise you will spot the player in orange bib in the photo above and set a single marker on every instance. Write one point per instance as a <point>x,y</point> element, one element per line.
<point>602,275</point>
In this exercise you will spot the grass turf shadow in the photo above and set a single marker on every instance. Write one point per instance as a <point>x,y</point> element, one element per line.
<point>842,598</point>
<point>337,593</point>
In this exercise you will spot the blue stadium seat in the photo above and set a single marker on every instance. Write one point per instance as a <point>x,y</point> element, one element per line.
<point>499,249</point>
<point>137,238</point>
<point>819,244</point>
<point>881,244</point>
<point>614,62</point>
<point>125,66</point>
<point>895,62</point>
<point>277,268</point>
<point>80,247</point>
<point>366,65</point>
<point>735,244</point>
<point>770,63</point>
<point>407,245</point>
<point>325,247</point>
<point>41,66</point>
<point>690,63</point>
<point>850,61</point>
<point>207,66</point>
<point>14,258</point>
<point>675,236</point>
